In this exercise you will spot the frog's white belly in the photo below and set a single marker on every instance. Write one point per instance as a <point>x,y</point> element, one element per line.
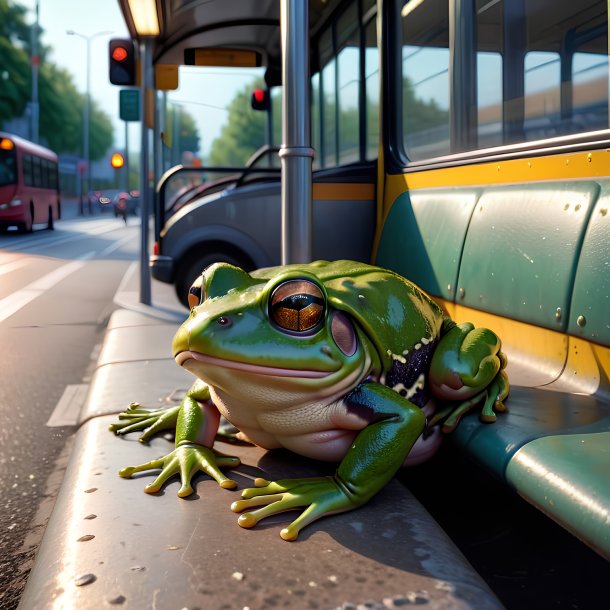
<point>319,430</point>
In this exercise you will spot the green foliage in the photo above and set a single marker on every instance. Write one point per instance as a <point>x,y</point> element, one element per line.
<point>14,61</point>
<point>61,105</point>
<point>243,133</point>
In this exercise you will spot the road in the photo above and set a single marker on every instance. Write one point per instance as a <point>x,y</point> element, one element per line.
<point>56,295</point>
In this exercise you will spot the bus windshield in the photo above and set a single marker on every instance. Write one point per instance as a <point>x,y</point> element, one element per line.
<point>8,167</point>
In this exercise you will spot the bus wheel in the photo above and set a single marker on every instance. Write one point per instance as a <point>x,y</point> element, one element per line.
<point>50,222</point>
<point>189,270</point>
<point>28,223</point>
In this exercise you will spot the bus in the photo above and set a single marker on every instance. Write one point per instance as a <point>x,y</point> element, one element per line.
<point>29,184</point>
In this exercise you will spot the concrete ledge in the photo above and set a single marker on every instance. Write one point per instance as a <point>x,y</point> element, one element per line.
<point>165,552</point>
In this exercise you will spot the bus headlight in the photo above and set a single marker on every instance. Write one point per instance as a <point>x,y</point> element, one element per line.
<point>15,202</point>
<point>3,206</point>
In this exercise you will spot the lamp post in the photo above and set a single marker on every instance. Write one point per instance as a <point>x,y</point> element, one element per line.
<point>87,173</point>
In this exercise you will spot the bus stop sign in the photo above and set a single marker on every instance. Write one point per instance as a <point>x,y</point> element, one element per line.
<point>129,104</point>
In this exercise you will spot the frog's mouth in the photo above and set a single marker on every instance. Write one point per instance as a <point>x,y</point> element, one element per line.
<point>256,369</point>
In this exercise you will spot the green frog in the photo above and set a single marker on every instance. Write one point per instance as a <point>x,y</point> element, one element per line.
<point>339,361</point>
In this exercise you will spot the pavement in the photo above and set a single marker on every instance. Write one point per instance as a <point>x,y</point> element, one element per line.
<point>109,544</point>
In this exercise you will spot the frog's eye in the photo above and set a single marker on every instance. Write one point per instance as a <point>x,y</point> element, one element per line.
<point>297,306</point>
<point>196,294</point>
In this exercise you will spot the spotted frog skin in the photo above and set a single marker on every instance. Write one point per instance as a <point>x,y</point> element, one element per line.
<point>336,361</point>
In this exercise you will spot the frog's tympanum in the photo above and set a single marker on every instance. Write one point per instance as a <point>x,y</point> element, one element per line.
<point>336,361</point>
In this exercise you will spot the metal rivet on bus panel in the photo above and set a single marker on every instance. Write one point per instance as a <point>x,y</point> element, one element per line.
<point>448,287</point>
<point>462,293</point>
<point>603,211</point>
<point>578,206</point>
<point>590,157</point>
<point>498,168</point>
<point>567,161</point>
<point>529,164</point>
<point>558,314</point>
<point>581,321</point>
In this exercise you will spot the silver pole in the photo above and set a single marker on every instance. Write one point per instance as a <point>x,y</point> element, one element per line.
<point>86,125</point>
<point>296,153</point>
<point>146,84</point>
<point>35,59</point>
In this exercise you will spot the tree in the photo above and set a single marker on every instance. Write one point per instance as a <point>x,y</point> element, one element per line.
<point>243,133</point>
<point>14,61</point>
<point>187,138</point>
<point>61,105</point>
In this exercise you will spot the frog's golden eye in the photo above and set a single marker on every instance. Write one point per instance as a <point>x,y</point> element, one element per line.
<point>196,294</point>
<point>297,306</point>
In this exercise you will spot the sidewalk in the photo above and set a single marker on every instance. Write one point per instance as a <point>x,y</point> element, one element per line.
<point>108,543</point>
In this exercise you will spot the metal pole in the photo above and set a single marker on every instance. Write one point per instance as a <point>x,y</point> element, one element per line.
<point>296,153</point>
<point>86,126</point>
<point>146,84</point>
<point>35,109</point>
<point>126,165</point>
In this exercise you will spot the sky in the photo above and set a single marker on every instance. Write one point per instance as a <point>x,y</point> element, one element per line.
<point>91,18</point>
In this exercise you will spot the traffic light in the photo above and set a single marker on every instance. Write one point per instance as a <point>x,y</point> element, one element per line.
<point>260,99</point>
<point>122,62</point>
<point>117,161</point>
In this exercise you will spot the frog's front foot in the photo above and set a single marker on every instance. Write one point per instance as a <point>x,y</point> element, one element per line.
<point>318,496</point>
<point>152,421</point>
<point>467,369</point>
<point>186,460</point>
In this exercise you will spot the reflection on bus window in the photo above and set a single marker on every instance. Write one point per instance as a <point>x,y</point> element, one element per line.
<point>329,94</point>
<point>542,98</point>
<point>371,75</point>
<point>425,82</point>
<point>489,99</point>
<point>345,88</point>
<point>348,81</point>
<point>538,69</point>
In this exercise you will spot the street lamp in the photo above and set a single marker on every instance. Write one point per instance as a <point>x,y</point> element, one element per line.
<point>88,40</point>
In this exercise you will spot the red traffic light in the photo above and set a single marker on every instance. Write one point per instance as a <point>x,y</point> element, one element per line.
<point>119,54</point>
<point>260,99</point>
<point>117,160</point>
<point>122,62</point>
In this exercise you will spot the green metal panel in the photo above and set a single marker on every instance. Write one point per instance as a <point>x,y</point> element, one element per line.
<point>568,478</point>
<point>521,251</point>
<point>423,236</point>
<point>590,311</point>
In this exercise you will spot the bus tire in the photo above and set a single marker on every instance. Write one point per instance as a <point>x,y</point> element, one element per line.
<point>28,223</point>
<point>193,266</point>
<point>50,222</point>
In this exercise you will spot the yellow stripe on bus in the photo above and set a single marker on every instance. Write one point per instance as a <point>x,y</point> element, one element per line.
<point>343,192</point>
<point>569,166</point>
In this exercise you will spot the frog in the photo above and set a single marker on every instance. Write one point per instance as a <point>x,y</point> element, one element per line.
<point>338,361</point>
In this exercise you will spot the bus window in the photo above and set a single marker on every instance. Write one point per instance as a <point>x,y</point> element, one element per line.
<point>27,170</point>
<point>489,99</point>
<point>425,81</point>
<point>534,70</point>
<point>8,167</point>
<point>542,99</point>
<point>316,130</point>
<point>328,123</point>
<point>348,85</point>
<point>37,174</point>
<point>371,75</point>
<point>590,91</point>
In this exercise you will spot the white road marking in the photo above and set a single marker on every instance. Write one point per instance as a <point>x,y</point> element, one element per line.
<point>67,410</point>
<point>116,245</point>
<point>14,265</point>
<point>14,302</point>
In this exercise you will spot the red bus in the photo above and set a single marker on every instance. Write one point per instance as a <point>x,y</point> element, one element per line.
<point>29,184</point>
